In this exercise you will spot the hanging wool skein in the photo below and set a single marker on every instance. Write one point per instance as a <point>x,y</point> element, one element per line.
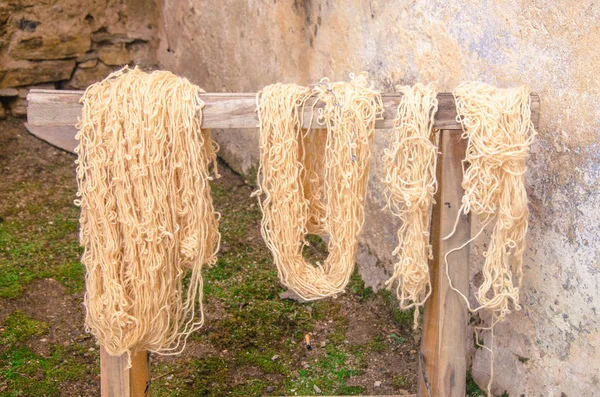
<point>410,179</point>
<point>147,218</point>
<point>292,169</point>
<point>497,125</point>
<point>499,131</point>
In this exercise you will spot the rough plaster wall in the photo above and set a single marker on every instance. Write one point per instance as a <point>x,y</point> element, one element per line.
<point>551,347</point>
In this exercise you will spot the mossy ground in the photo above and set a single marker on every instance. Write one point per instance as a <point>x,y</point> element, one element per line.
<point>473,389</point>
<point>253,342</point>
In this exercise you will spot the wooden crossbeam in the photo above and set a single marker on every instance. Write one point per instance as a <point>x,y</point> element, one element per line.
<point>223,110</point>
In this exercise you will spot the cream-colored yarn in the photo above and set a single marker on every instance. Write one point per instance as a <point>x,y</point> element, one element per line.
<point>497,124</point>
<point>147,218</point>
<point>410,179</point>
<point>305,190</point>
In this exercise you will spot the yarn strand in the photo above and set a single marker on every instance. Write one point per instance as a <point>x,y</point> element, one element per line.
<point>410,179</point>
<point>147,218</point>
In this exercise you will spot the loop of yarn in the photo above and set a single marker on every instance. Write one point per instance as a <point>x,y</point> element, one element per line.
<point>315,183</point>
<point>410,179</point>
<point>147,218</point>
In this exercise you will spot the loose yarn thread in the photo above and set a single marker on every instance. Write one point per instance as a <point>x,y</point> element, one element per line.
<point>410,179</point>
<point>147,218</point>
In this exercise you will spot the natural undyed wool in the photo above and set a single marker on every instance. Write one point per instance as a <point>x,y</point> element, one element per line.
<point>497,125</point>
<point>306,189</point>
<point>147,218</point>
<point>410,179</point>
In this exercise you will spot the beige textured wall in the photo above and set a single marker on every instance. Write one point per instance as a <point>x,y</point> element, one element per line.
<point>551,347</point>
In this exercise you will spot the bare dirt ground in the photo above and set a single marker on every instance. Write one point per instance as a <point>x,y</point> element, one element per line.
<point>253,340</point>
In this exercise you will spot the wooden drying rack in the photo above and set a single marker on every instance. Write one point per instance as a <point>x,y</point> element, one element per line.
<point>52,115</point>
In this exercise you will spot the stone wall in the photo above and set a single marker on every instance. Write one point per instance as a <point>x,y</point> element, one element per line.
<point>551,347</point>
<point>69,44</point>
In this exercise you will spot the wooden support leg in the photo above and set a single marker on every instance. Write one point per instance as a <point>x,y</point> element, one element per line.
<point>116,380</point>
<point>445,316</point>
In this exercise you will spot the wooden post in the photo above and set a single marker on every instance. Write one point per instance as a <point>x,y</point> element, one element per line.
<point>443,343</point>
<point>116,380</point>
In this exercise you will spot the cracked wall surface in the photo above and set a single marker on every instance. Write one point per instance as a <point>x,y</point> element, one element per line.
<point>552,346</point>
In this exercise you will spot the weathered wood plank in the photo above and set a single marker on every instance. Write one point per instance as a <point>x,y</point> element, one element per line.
<point>53,107</point>
<point>445,317</point>
<point>116,380</point>
<point>61,136</point>
<point>114,375</point>
<point>139,374</point>
<point>224,110</point>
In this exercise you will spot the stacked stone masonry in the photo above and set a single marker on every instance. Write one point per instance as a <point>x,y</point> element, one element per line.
<point>69,44</point>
